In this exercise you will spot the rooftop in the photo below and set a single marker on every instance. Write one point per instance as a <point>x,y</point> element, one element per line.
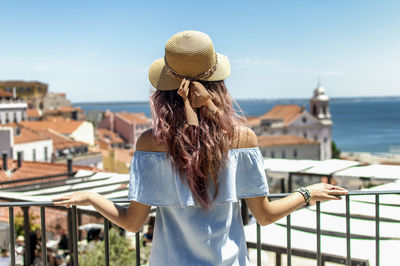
<point>138,118</point>
<point>25,135</point>
<point>33,113</point>
<point>5,94</point>
<point>64,126</point>
<point>288,113</point>
<point>108,136</point>
<point>60,141</point>
<point>31,169</point>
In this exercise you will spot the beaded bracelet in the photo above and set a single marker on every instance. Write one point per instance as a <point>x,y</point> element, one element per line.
<point>305,193</point>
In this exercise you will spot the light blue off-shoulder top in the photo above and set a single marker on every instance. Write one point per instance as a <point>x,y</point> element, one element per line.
<point>184,233</point>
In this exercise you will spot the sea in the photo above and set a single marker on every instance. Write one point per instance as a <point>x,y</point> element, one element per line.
<point>367,124</point>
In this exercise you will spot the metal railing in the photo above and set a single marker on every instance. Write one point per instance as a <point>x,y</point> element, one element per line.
<point>320,258</point>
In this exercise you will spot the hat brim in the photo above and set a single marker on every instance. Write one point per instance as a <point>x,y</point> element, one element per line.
<point>162,80</point>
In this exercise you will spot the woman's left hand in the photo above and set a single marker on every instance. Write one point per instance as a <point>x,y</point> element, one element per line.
<point>323,192</point>
<point>81,198</point>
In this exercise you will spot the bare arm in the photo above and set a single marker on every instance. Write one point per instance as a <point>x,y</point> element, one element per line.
<point>130,218</point>
<point>267,212</point>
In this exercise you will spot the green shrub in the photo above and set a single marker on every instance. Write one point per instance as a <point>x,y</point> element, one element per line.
<point>121,252</point>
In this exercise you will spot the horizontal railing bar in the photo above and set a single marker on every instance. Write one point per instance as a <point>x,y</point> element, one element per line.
<point>271,196</point>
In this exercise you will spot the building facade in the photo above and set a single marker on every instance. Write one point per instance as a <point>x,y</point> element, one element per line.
<point>12,109</point>
<point>289,147</point>
<point>295,120</point>
<point>129,126</point>
<point>31,92</point>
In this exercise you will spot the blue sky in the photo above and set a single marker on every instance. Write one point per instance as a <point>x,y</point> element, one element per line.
<point>101,50</point>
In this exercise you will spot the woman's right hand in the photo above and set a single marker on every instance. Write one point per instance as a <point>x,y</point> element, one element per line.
<point>323,192</point>
<point>81,198</point>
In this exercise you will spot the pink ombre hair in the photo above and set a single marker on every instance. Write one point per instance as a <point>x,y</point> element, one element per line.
<point>197,153</point>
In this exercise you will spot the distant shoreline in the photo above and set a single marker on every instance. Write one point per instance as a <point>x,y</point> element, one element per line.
<point>277,100</point>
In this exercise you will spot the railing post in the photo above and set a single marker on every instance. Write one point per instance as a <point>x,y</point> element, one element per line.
<point>377,233</point>
<point>348,236</point>
<point>12,234</point>
<point>106,242</point>
<point>290,183</point>
<point>27,235</point>
<point>289,240</point>
<point>137,238</point>
<point>258,244</point>
<point>74,236</point>
<point>319,261</point>
<point>43,229</point>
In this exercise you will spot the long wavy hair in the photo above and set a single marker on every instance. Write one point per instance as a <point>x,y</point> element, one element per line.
<point>197,153</point>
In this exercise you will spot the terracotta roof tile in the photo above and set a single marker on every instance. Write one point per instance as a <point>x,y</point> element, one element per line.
<point>25,135</point>
<point>5,94</point>
<point>288,113</point>
<point>284,140</point>
<point>36,169</point>
<point>63,126</point>
<point>34,113</point>
<point>139,118</point>
<point>108,136</point>
<point>60,141</point>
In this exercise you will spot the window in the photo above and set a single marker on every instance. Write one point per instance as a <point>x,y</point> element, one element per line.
<point>305,134</point>
<point>21,89</point>
<point>324,110</point>
<point>315,137</point>
<point>8,89</point>
<point>45,154</point>
<point>283,154</point>
<point>33,154</point>
<point>272,154</point>
<point>304,119</point>
<point>294,153</point>
<point>325,139</point>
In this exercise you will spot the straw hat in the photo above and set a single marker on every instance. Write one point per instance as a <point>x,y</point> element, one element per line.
<point>188,55</point>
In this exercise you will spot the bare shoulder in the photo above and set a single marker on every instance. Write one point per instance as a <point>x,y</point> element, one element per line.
<point>147,142</point>
<point>246,138</point>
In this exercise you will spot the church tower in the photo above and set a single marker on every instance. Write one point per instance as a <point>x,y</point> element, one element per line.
<point>319,105</point>
<point>319,108</point>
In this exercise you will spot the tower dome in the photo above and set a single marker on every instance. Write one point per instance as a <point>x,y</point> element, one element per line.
<point>319,105</point>
<point>320,93</point>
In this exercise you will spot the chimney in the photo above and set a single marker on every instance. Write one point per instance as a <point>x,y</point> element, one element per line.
<point>5,166</point>
<point>69,165</point>
<point>14,92</point>
<point>19,159</point>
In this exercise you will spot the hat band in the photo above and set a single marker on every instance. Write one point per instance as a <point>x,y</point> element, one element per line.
<point>202,75</point>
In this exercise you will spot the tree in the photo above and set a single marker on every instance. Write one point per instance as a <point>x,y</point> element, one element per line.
<point>121,252</point>
<point>19,223</point>
<point>335,151</point>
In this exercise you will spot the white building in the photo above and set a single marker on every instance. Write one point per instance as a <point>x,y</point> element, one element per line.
<point>11,109</point>
<point>32,145</point>
<point>315,125</point>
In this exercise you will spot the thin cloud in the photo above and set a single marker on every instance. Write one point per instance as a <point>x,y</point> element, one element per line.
<point>279,66</point>
<point>41,68</point>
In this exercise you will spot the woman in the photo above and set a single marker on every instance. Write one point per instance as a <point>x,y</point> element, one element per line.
<point>195,165</point>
